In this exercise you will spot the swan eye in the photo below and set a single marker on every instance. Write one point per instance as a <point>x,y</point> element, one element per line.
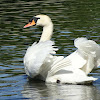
<point>30,20</point>
<point>34,18</point>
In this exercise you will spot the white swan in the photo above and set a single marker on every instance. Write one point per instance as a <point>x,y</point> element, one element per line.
<point>74,68</point>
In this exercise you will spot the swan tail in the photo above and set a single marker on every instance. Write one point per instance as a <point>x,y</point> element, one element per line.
<point>35,57</point>
<point>90,51</point>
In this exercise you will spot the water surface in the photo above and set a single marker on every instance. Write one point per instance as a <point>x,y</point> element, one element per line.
<point>72,19</point>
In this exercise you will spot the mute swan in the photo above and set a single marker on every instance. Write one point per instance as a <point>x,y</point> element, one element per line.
<point>73,69</point>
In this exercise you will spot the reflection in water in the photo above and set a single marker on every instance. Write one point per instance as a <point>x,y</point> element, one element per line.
<point>39,90</point>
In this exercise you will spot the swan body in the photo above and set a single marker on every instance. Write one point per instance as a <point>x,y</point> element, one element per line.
<point>39,61</point>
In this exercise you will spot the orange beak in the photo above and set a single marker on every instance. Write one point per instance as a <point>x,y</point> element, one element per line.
<point>30,24</point>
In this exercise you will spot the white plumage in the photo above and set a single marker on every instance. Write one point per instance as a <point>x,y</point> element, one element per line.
<point>36,56</point>
<point>74,68</point>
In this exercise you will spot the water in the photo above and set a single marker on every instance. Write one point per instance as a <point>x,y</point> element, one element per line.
<point>72,19</point>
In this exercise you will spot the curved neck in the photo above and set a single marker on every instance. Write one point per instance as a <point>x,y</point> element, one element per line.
<point>47,32</point>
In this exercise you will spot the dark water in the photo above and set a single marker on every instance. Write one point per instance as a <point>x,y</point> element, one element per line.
<point>71,18</point>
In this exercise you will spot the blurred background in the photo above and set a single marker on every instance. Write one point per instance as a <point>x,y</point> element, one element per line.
<point>72,19</point>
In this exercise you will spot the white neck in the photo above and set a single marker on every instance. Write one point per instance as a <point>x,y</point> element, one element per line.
<point>47,32</point>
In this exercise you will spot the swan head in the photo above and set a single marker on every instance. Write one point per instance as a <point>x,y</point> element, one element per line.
<point>40,20</point>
